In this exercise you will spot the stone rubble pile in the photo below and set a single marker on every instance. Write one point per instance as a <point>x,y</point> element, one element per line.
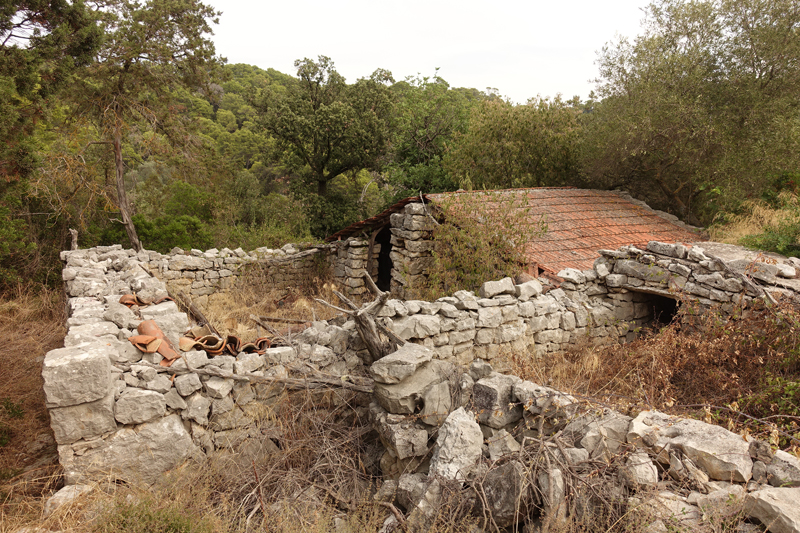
<point>524,447</point>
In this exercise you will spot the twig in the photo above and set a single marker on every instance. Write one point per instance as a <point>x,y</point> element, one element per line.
<point>260,493</point>
<point>281,319</point>
<point>422,199</point>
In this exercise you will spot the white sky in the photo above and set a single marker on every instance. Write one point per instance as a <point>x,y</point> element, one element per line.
<point>522,48</point>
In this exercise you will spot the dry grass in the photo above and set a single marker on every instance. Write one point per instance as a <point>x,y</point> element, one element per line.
<point>31,323</point>
<point>747,366</point>
<point>255,294</point>
<point>755,216</point>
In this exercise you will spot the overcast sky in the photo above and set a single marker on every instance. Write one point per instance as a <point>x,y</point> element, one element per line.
<point>522,48</point>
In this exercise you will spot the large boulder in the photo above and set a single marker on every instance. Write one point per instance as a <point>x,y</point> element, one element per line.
<point>723,455</point>
<point>76,375</point>
<point>507,492</point>
<point>84,421</point>
<point>397,366</point>
<point>777,508</point>
<point>458,446</point>
<point>138,455</point>
<point>402,398</point>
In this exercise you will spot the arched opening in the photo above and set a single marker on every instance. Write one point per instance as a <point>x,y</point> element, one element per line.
<point>384,238</point>
<point>663,308</point>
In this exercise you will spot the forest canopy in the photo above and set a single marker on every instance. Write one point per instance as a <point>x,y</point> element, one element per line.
<point>120,120</point>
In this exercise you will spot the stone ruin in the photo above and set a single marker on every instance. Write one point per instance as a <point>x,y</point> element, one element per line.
<point>442,413</point>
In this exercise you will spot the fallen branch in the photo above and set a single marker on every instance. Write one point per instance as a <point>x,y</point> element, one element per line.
<point>197,313</point>
<point>317,381</point>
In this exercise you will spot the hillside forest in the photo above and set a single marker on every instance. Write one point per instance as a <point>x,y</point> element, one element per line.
<point>119,119</point>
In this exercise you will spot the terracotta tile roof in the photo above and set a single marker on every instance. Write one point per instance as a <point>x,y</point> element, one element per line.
<point>579,222</point>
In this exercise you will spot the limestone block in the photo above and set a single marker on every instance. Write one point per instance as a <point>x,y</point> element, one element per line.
<point>507,493</point>
<point>436,404</point>
<point>189,262</point>
<point>235,418</point>
<point>572,275</point>
<point>197,409</point>
<point>528,290</point>
<point>64,496</point>
<point>399,433</point>
<point>403,397</point>
<point>493,288</point>
<point>616,280</point>
<point>458,446</point>
<point>490,317</point>
<point>493,399</point>
<point>86,420</point>
<point>280,355</point>
<point>643,272</point>
<point>136,406</point>
<point>639,471</point>
<point>248,362</point>
<point>784,470</point>
<point>89,333</point>
<point>160,383</point>
<point>776,508</point>
<point>217,387</point>
<point>187,384</point>
<point>399,365</point>
<point>678,251</point>
<point>502,444</point>
<point>135,456</point>
<point>121,315</point>
<point>76,375</point>
<point>723,455</point>
<point>174,400</point>
<point>544,401</point>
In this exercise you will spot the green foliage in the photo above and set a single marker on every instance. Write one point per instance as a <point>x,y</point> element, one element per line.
<point>326,125</point>
<point>426,116</point>
<point>529,145</point>
<point>146,516</point>
<point>703,101</point>
<point>16,248</point>
<point>13,409</point>
<point>782,235</point>
<point>479,239</point>
<point>164,233</point>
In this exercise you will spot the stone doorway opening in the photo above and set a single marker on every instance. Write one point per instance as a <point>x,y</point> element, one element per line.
<point>661,309</point>
<point>384,238</point>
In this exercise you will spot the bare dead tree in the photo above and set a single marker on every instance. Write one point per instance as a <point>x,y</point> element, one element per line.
<point>366,324</point>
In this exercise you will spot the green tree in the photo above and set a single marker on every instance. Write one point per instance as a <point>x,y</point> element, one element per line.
<point>326,125</point>
<point>151,49</point>
<point>507,145</point>
<point>41,43</point>
<point>700,111</point>
<point>427,115</point>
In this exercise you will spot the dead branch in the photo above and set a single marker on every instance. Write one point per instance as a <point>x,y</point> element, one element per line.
<point>317,381</point>
<point>366,323</point>
<point>197,313</point>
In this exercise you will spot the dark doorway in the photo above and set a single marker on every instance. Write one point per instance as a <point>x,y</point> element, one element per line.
<point>664,308</point>
<point>384,238</point>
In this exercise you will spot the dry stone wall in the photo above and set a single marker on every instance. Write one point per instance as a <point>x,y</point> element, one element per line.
<point>115,412</point>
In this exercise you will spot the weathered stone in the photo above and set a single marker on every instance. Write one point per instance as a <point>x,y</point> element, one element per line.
<point>66,495</point>
<point>136,456</point>
<point>502,444</point>
<point>403,397</point>
<point>572,275</point>
<point>235,418</point>
<point>196,359</point>
<point>640,271</point>
<point>121,315</point>
<point>397,366</point>
<point>136,406</point>
<point>410,488</point>
<point>493,398</point>
<point>76,375</point>
<point>458,446</point>
<point>639,471</point>
<point>539,400</point>
<point>197,409</point>
<point>723,455</point>
<point>678,251</point>
<point>436,404</point>
<point>490,317</point>
<point>217,387</point>
<point>248,362</point>
<point>507,492</point>
<point>784,470</point>
<point>187,384</point>
<point>528,290</point>
<point>404,437</point>
<point>280,355</point>
<point>493,288</point>
<point>602,434</point>
<point>90,333</point>
<point>160,383</point>
<point>174,400</point>
<point>189,262</point>
<point>776,508</point>
<point>83,421</point>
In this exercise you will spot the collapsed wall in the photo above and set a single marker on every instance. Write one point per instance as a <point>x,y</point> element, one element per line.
<point>117,413</point>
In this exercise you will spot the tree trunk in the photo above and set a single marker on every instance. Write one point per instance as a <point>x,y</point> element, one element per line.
<point>322,187</point>
<point>124,206</point>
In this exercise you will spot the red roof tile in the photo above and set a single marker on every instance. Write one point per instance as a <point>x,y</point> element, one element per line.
<point>579,222</point>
